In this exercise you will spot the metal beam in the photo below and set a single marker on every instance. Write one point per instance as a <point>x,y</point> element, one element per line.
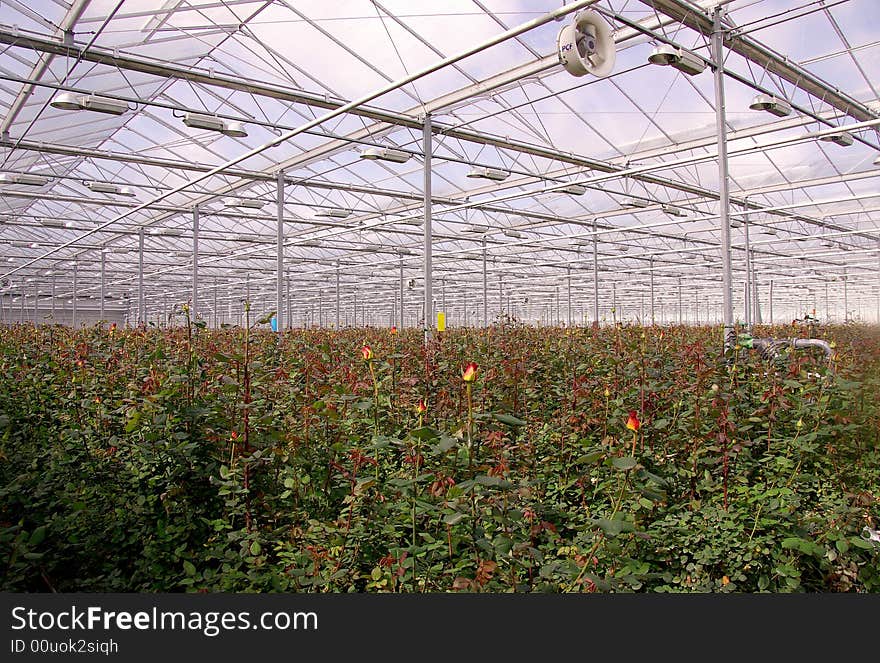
<point>695,18</point>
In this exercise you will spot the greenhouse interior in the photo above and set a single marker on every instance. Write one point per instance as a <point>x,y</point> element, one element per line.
<point>469,295</point>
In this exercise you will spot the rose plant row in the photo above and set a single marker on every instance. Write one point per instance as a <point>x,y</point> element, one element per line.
<point>512,459</point>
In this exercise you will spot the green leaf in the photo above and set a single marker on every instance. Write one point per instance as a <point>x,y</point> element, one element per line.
<point>37,536</point>
<point>266,319</point>
<point>802,545</point>
<point>189,568</point>
<point>859,542</point>
<point>446,443</point>
<point>256,548</point>
<point>625,463</point>
<point>452,518</point>
<point>508,419</point>
<point>133,421</point>
<point>660,424</point>
<point>425,433</point>
<point>591,457</point>
<point>614,527</point>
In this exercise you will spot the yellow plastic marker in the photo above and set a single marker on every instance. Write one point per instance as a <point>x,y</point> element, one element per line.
<point>441,322</point>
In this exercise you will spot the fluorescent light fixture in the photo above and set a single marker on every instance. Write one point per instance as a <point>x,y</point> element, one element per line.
<point>122,250</point>
<point>877,161</point>
<point>23,178</point>
<point>842,138</point>
<point>405,252</point>
<point>244,238</point>
<point>334,213</point>
<point>635,203</point>
<point>92,102</point>
<point>310,242</point>
<point>20,244</point>
<point>735,223</point>
<point>583,241</point>
<point>52,223</point>
<point>214,123</point>
<point>574,190</point>
<point>477,228</point>
<point>182,254</point>
<point>250,203</point>
<point>115,189</point>
<point>619,248</point>
<point>171,232</point>
<point>671,210</point>
<point>198,121</point>
<point>412,222</point>
<point>771,104</point>
<point>516,234</point>
<point>678,58</point>
<point>385,154</point>
<point>495,174</point>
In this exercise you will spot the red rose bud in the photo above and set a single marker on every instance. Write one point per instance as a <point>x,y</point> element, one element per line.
<point>633,422</point>
<point>422,407</point>
<point>469,372</point>
<point>367,353</point>
<point>393,329</point>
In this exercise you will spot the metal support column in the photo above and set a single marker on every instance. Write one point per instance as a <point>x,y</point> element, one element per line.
<point>756,299</point>
<point>53,299</point>
<point>485,288</point>
<point>747,303</point>
<point>429,286</point>
<point>141,308</point>
<point>194,307</point>
<point>288,318</point>
<point>337,296</point>
<point>771,301</point>
<point>723,184</point>
<point>568,287</point>
<point>595,275</point>
<point>614,301</point>
<point>75,292</point>
<point>402,317</point>
<point>680,319</point>
<point>652,290</point>
<point>279,267</point>
<point>103,260</point>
